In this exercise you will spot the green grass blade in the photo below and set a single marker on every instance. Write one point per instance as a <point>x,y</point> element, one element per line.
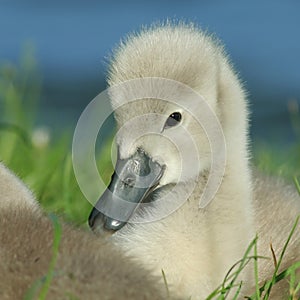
<point>297,184</point>
<point>56,242</point>
<point>274,279</point>
<point>165,283</point>
<point>21,133</point>
<point>297,288</point>
<point>256,271</point>
<point>237,293</point>
<point>231,277</point>
<point>32,291</point>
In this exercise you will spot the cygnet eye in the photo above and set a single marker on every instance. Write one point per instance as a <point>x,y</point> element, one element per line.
<point>173,120</point>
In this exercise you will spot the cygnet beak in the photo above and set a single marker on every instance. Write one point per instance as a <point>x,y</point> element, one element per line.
<point>133,181</point>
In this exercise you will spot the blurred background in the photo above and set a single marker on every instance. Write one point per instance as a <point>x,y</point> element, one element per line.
<point>53,57</point>
<point>71,40</point>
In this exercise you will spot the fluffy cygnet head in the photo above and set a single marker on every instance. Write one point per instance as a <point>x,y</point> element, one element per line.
<point>168,132</point>
<point>164,94</point>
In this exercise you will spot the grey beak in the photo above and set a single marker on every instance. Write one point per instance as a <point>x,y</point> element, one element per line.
<point>133,181</point>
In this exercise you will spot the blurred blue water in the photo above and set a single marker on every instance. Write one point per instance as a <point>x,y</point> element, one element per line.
<point>72,39</point>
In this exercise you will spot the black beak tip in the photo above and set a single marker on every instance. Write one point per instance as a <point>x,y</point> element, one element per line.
<point>99,222</point>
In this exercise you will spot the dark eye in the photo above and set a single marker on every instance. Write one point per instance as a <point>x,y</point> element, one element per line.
<point>173,120</point>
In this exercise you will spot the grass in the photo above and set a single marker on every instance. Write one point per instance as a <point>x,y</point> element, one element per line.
<point>41,286</point>
<point>45,164</point>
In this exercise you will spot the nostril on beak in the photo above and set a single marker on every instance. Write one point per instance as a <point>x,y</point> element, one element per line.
<point>129,181</point>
